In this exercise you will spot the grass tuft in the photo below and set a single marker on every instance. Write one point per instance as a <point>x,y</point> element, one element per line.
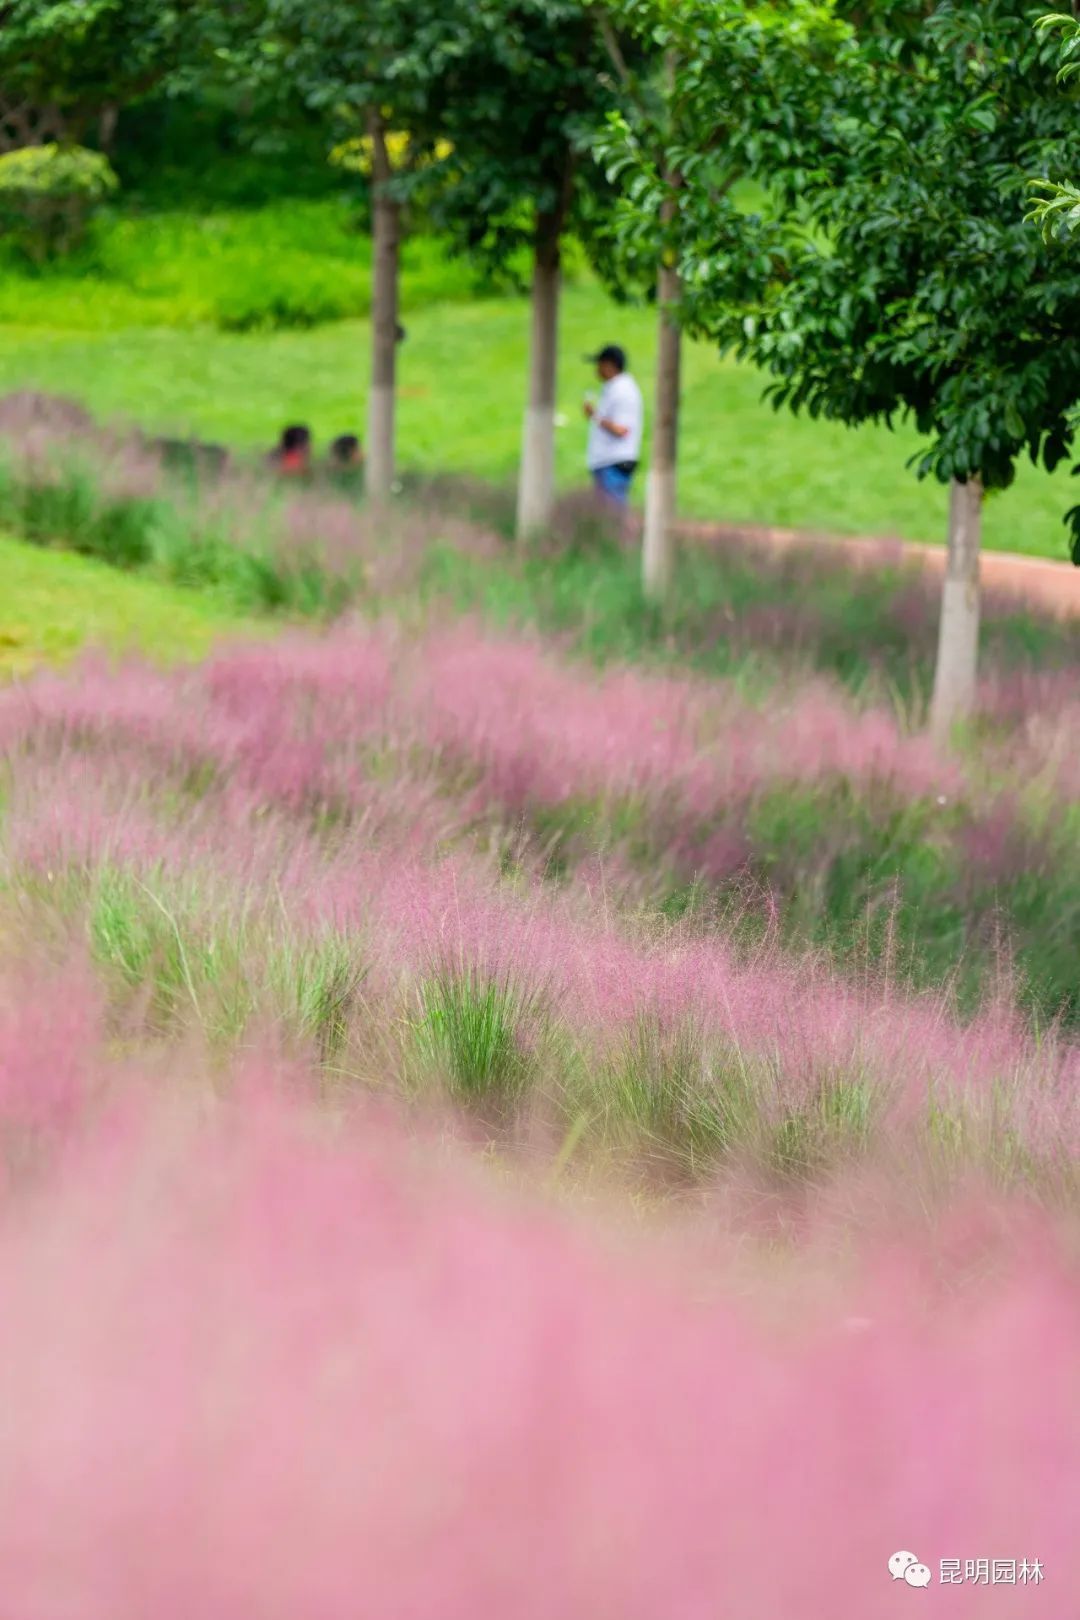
<point>470,1030</point>
<point>667,1093</point>
<point>833,1127</point>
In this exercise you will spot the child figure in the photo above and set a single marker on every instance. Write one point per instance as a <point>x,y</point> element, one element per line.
<point>292,457</point>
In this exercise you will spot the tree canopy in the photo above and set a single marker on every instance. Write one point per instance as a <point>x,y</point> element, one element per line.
<point>63,62</point>
<point>741,101</point>
<point>525,88</point>
<point>904,277</point>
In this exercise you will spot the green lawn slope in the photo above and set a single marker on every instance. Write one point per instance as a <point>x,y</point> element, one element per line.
<point>53,604</point>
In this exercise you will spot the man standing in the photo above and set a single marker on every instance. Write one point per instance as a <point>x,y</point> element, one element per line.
<point>616,420</point>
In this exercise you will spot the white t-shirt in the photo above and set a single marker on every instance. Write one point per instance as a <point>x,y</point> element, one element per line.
<point>620,402</point>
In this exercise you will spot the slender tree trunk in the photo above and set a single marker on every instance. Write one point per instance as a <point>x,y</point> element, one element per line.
<point>384,320</point>
<point>658,551</point>
<point>958,635</point>
<point>536,481</point>
<point>107,121</point>
<point>658,554</point>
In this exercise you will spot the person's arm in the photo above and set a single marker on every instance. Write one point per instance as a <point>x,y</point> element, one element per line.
<point>608,424</point>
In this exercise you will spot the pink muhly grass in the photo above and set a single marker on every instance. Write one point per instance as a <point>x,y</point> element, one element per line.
<point>50,442</point>
<point>546,733</point>
<point>804,1024</point>
<point>25,409</point>
<point>784,626</point>
<point>539,733</point>
<point>415,915</point>
<point>549,733</point>
<point>274,720</point>
<point>1041,710</point>
<point>253,1370</point>
<point>50,1025</point>
<point>131,474</point>
<point>351,541</point>
<point>816,737</point>
<point>341,683</point>
<point>204,771</point>
<point>1028,694</point>
<point>72,814</point>
<point>999,846</point>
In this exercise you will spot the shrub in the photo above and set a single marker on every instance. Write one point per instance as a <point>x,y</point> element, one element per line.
<point>48,195</point>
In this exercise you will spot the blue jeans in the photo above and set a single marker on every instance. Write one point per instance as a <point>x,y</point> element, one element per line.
<point>612,484</point>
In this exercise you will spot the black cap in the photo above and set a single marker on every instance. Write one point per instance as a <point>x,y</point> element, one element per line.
<point>611,352</point>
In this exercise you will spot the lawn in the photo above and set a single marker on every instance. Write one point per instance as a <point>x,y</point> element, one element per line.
<point>53,604</point>
<point>462,389</point>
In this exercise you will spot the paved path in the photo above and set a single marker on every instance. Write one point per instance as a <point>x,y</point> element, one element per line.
<point>1053,587</point>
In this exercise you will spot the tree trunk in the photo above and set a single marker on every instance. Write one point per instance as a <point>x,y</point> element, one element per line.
<point>658,554</point>
<point>25,124</point>
<point>386,230</point>
<point>536,481</point>
<point>958,635</point>
<point>107,121</point>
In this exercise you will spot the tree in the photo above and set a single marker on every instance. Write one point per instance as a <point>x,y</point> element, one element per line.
<point>67,67</point>
<point>738,85</point>
<point>527,83</point>
<point>1057,210</point>
<point>369,68</point>
<point>647,131</point>
<point>907,281</point>
<point>660,498</point>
